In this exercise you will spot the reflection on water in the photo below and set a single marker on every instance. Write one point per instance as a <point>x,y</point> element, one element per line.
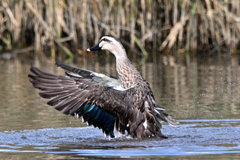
<point>193,138</point>
<point>189,88</point>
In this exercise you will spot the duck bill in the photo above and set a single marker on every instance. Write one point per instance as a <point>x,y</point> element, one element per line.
<point>95,48</point>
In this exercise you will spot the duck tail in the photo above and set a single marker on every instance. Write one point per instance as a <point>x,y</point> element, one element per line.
<point>167,118</point>
<point>171,121</point>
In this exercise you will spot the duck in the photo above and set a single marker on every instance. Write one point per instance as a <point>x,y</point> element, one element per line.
<point>123,104</point>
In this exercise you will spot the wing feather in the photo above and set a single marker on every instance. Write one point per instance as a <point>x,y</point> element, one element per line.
<point>98,104</point>
<point>79,71</point>
<point>101,79</point>
<point>58,99</point>
<point>52,93</point>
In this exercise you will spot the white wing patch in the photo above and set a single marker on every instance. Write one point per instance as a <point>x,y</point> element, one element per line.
<point>107,81</point>
<point>145,124</point>
<point>160,109</point>
<point>103,80</point>
<point>120,88</point>
<point>73,75</point>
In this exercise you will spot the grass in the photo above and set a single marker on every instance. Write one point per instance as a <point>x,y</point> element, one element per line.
<point>163,25</point>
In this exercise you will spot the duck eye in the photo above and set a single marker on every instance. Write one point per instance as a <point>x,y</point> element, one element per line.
<point>106,40</point>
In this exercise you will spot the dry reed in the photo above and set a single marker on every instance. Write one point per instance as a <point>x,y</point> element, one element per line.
<point>143,24</point>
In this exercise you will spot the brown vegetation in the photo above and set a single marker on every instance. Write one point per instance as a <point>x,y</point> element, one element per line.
<point>144,24</point>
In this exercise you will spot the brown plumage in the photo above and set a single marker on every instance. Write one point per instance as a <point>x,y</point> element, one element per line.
<point>126,104</point>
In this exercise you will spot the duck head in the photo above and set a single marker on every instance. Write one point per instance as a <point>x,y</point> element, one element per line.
<point>111,44</point>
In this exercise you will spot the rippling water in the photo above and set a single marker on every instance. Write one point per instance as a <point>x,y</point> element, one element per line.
<point>203,94</point>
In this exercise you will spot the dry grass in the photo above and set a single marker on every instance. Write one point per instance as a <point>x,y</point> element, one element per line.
<point>144,24</point>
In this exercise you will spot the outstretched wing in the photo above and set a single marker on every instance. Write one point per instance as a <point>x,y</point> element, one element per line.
<point>101,79</point>
<point>99,104</point>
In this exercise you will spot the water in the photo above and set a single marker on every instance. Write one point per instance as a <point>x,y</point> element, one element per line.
<point>203,95</point>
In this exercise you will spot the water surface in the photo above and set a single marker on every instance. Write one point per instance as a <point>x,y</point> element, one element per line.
<point>202,94</point>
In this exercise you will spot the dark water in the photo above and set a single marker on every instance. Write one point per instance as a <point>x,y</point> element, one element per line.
<point>203,94</point>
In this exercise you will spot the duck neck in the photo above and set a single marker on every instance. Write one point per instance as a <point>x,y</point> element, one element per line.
<point>126,71</point>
